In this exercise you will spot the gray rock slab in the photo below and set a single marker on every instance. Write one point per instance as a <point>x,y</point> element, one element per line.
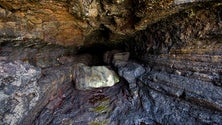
<point>204,93</point>
<point>130,71</point>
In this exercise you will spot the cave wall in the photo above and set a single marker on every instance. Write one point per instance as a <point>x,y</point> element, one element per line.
<point>179,80</point>
<point>195,29</point>
<point>187,44</point>
<point>48,21</point>
<point>77,22</point>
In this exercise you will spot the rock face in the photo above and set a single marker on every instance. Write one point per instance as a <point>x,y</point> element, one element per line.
<point>184,33</point>
<point>189,88</point>
<point>130,71</point>
<point>93,77</point>
<point>49,21</point>
<point>19,91</point>
<point>114,56</point>
<point>157,98</point>
<point>25,89</point>
<point>173,75</point>
<point>78,22</point>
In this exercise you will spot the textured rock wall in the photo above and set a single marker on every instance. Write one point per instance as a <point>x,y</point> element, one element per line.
<point>32,74</point>
<point>45,20</point>
<point>195,30</point>
<point>178,82</point>
<point>75,22</point>
<point>184,53</point>
<point>19,91</point>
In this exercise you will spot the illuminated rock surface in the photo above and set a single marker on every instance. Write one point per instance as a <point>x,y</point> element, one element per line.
<point>86,77</point>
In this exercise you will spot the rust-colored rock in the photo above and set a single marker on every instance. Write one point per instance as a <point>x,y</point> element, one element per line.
<point>49,21</point>
<point>73,22</point>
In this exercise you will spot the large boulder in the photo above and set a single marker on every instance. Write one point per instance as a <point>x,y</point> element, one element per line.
<point>86,77</point>
<point>129,70</point>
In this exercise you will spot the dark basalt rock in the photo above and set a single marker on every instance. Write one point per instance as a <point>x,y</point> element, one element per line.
<point>130,71</point>
<point>147,103</point>
<point>147,93</point>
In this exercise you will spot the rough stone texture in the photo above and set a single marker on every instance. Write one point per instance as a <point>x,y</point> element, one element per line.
<point>142,104</point>
<point>188,45</point>
<point>25,89</point>
<point>78,22</point>
<point>33,52</point>
<point>86,77</point>
<point>43,55</point>
<point>46,20</point>
<point>196,30</point>
<point>179,81</point>
<point>53,83</point>
<point>19,91</point>
<point>130,71</point>
<point>204,93</point>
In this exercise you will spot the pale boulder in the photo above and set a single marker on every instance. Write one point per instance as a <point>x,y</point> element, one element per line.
<point>86,77</point>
